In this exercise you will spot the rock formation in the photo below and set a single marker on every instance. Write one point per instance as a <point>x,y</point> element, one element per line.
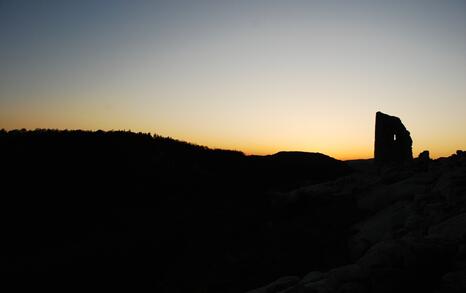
<point>412,238</point>
<point>424,156</point>
<point>393,143</point>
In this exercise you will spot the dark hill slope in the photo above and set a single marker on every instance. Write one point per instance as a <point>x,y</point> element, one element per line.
<point>193,218</point>
<point>287,170</point>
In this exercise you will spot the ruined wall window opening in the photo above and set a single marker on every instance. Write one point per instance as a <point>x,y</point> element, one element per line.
<point>393,143</point>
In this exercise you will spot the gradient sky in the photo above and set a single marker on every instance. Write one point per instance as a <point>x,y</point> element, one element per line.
<point>256,76</point>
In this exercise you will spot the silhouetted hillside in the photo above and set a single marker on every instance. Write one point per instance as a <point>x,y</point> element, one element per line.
<point>195,219</point>
<point>287,170</point>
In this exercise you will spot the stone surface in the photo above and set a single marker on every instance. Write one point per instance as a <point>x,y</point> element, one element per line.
<point>451,229</point>
<point>353,287</point>
<point>320,286</point>
<point>455,281</point>
<point>390,280</point>
<point>373,229</point>
<point>393,143</point>
<point>385,254</point>
<point>278,285</point>
<point>411,236</point>
<point>348,273</point>
<point>313,277</point>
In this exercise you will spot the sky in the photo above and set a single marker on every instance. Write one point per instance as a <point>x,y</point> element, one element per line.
<point>255,76</point>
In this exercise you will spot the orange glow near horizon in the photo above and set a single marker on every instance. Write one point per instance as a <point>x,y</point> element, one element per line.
<point>361,150</point>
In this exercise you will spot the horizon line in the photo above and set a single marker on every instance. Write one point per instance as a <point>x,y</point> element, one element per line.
<point>212,147</point>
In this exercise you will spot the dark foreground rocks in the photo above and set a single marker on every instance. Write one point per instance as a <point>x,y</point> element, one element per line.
<point>413,238</point>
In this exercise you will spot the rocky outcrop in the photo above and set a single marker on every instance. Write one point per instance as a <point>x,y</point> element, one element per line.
<point>277,285</point>
<point>424,156</point>
<point>413,238</point>
<point>393,143</point>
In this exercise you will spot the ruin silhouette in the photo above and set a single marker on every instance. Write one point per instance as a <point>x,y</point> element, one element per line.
<point>393,143</point>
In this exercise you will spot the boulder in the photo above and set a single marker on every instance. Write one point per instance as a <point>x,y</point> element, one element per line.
<point>348,273</point>
<point>390,280</point>
<point>455,281</point>
<point>452,229</point>
<point>313,277</point>
<point>278,285</point>
<point>353,287</point>
<point>452,185</point>
<point>374,229</point>
<point>429,256</point>
<point>422,260</point>
<point>357,247</point>
<point>424,156</point>
<point>321,286</point>
<point>385,254</point>
<point>383,195</point>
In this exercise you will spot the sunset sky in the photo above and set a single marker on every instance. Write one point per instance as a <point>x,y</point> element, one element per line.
<point>256,76</point>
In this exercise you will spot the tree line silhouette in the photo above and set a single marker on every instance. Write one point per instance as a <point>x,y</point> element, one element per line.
<point>198,219</point>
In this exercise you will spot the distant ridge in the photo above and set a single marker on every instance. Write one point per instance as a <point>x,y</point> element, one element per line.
<point>290,169</point>
<point>300,154</point>
<point>124,154</point>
